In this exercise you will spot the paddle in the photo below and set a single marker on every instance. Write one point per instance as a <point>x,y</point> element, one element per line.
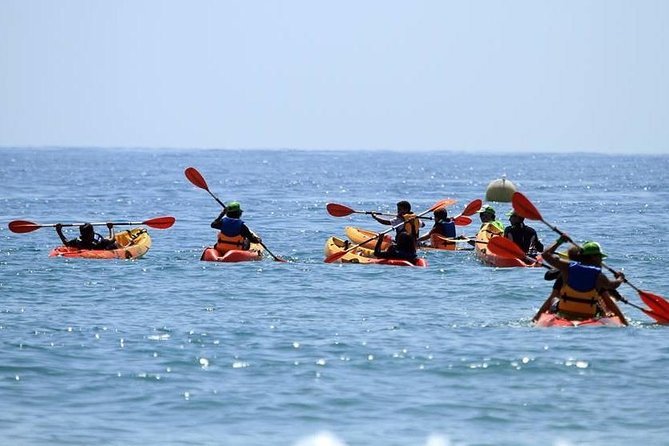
<point>198,180</point>
<point>341,210</point>
<point>524,207</point>
<point>23,226</point>
<point>338,255</point>
<point>504,247</point>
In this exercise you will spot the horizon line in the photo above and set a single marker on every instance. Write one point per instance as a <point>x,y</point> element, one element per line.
<point>498,151</point>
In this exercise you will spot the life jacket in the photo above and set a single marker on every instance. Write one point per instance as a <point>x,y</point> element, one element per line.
<point>446,228</point>
<point>578,296</point>
<point>230,236</point>
<point>411,225</point>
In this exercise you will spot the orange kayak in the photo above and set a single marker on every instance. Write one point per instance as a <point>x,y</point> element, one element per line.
<point>254,253</point>
<point>134,244</point>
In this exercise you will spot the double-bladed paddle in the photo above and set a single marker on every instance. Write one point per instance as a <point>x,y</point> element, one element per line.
<point>198,180</point>
<point>660,307</point>
<point>23,226</point>
<point>338,255</point>
<point>340,210</point>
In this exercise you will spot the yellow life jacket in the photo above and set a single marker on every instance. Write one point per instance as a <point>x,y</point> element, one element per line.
<point>580,304</point>
<point>411,227</point>
<point>226,243</point>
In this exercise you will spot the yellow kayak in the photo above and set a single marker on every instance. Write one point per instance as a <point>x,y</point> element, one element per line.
<point>362,255</point>
<point>358,235</point>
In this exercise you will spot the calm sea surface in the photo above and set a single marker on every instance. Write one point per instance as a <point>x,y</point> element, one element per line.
<point>170,350</point>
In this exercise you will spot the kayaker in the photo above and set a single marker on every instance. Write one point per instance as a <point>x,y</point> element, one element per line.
<point>88,238</point>
<point>582,294</point>
<point>487,215</point>
<point>555,276</point>
<point>234,234</point>
<point>443,226</point>
<point>411,226</point>
<point>403,248</point>
<point>523,235</point>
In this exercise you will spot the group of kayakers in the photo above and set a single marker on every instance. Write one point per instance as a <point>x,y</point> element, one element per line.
<point>580,290</point>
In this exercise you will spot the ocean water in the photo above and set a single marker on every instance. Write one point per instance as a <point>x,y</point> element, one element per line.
<point>170,350</point>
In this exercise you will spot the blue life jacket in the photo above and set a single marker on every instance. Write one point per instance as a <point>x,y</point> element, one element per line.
<point>447,228</point>
<point>231,227</point>
<point>583,277</point>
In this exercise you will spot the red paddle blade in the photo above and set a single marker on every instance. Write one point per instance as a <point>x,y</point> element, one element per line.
<point>196,178</point>
<point>441,204</point>
<point>659,319</point>
<point>472,207</point>
<point>504,247</point>
<point>656,303</point>
<point>524,207</point>
<point>160,222</point>
<point>338,210</point>
<point>23,226</point>
<point>462,220</point>
<point>336,256</point>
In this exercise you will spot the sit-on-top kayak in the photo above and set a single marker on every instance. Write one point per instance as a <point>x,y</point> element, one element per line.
<point>362,255</point>
<point>437,242</point>
<point>488,231</point>
<point>359,235</point>
<point>134,243</point>
<point>254,253</point>
<point>553,320</point>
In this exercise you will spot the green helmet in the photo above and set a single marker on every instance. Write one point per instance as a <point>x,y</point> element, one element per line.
<point>233,206</point>
<point>592,249</point>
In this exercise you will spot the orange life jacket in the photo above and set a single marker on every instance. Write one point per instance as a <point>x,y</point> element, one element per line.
<point>581,304</point>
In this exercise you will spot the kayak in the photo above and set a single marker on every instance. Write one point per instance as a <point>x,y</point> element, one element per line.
<point>254,253</point>
<point>437,242</point>
<point>362,255</point>
<point>553,320</point>
<point>484,235</point>
<point>359,235</point>
<point>134,242</point>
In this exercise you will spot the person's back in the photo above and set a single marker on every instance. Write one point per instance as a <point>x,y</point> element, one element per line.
<point>233,232</point>
<point>523,235</point>
<point>580,296</point>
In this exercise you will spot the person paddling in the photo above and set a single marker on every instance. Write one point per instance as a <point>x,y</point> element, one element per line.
<point>487,215</point>
<point>582,295</point>
<point>444,226</point>
<point>523,235</point>
<point>404,248</point>
<point>234,234</point>
<point>88,238</point>
<point>411,224</point>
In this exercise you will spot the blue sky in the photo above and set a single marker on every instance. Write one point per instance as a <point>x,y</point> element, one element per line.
<point>576,75</point>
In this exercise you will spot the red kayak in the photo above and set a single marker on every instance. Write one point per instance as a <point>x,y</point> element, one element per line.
<point>254,253</point>
<point>553,320</point>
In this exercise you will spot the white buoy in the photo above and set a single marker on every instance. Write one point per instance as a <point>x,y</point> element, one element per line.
<point>500,190</point>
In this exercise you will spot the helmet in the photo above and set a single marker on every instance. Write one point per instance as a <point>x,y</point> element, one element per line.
<point>592,249</point>
<point>233,206</point>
